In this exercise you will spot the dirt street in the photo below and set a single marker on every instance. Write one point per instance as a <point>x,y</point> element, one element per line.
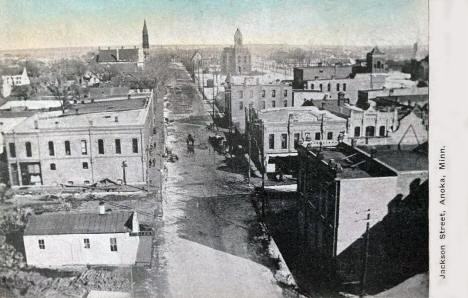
<point>209,244</point>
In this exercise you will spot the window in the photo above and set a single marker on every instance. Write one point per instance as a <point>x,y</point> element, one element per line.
<point>338,87</point>
<point>100,146</point>
<point>135,145</point>
<point>344,86</point>
<point>113,244</point>
<point>273,93</point>
<point>329,87</point>
<point>317,136</point>
<point>84,147</point>
<point>52,167</point>
<point>241,105</point>
<point>28,149</point>
<point>241,94</point>
<point>67,148</point>
<point>51,148</point>
<point>357,131</point>
<point>271,141</point>
<point>330,135</point>
<point>285,93</point>
<point>370,131</point>
<point>307,137</point>
<point>41,244</point>
<point>12,149</point>
<point>285,103</point>
<point>273,104</point>
<point>312,86</point>
<point>85,165</point>
<point>263,105</point>
<point>382,131</point>
<point>86,243</point>
<point>263,93</point>
<point>251,93</point>
<point>118,149</point>
<point>284,141</point>
<point>321,87</point>
<point>305,85</point>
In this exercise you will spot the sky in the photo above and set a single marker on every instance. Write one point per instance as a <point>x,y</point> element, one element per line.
<point>65,23</point>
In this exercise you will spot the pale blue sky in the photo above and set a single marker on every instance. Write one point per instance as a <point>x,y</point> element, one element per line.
<point>56,23</point>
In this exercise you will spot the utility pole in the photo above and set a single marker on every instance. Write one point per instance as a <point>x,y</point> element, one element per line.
<point>365,256</point>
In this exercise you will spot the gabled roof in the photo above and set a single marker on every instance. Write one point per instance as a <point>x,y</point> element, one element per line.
<point>117,55</point>
<point>79,223</point>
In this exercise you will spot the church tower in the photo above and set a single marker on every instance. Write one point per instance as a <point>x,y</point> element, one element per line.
<point>238,38</point>
<point>145,41</point>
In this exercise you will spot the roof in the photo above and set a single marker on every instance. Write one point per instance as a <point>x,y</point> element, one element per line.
<point>31,104</point>
<point>117,55</point>
<point>108,91</point>
<point>79,223</point>
<point>83,116</point>
<point>12,71</point>
<point>299,114</point>
<point>325,72</point>
<point>401,159</point>
<point>376,51</point>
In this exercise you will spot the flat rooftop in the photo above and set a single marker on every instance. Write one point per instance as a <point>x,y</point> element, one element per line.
<point>108,114</point>
<point>305,113</point>
<point>403,159</point>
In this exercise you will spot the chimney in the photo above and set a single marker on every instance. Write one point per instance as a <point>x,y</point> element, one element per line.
<point>135,223</point>
<point>36,124</point>
<point>102,208</point>
<point>116,118</point>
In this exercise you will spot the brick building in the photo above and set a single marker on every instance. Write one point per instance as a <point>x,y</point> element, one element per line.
<point>236,60</point>
<point>88,143</point>
<point>261,96</point>
<point>338,186</point>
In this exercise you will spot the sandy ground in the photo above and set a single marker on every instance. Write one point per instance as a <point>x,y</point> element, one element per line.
<point>209,244</point>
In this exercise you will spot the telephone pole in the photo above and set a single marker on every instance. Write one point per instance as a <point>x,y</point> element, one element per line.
<point>365,256</point>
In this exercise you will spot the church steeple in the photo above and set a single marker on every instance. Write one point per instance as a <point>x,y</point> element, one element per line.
<point>238,38</point>
<point>145,40</point>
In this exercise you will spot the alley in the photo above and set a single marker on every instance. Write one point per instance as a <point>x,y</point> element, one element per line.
<point>209,244</point>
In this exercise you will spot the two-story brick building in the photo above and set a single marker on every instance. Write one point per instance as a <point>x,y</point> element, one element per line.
<point>88,143</point>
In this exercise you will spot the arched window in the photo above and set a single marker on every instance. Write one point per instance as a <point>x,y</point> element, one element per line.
<point>329,87</point>
<point>382,131</point>
<point>357,131</point>
<point>338,87</point>
<point>370,131</point>
<point>285,103</point>
<point>28,149</point>
<point>273,104</point>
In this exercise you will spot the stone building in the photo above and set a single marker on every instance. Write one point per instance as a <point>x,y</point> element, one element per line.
<point>279,131</point>
<point>88,143</point>
<point>339,186</point>
<point>236,60</point>
<point>71,239</point>
<point>238,96</point>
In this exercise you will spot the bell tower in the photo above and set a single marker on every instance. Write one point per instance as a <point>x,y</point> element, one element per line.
<point>145,41</point>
